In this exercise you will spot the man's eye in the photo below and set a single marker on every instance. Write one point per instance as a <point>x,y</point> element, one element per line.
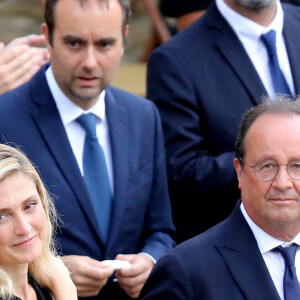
<point>104,44</point>
<point>295,165</point>
<point>73,45</point>
<point>267,166</point>
<point>2,217</point>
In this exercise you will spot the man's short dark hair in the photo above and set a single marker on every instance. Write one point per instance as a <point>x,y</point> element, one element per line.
<point>280,106</point>
<point>49,15</point>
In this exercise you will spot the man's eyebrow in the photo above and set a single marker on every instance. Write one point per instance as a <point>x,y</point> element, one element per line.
<point>72,38</point>
<point>108,39</point>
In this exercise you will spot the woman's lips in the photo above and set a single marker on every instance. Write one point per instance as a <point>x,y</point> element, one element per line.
<point>25,242</point>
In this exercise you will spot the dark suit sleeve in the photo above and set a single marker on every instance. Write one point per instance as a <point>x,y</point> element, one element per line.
<point>194,168</point>
<point>169,280</point>
<point>159,227</point>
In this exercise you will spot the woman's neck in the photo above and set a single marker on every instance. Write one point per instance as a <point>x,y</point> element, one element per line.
<point>19,277</point>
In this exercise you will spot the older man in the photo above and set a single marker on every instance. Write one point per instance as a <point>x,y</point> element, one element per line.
<point>245,257</point>
<point>203,80</point>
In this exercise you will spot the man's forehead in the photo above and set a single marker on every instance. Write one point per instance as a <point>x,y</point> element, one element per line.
<point>273,127</point>
<point>268,118</point>
<point>77,5</point>
<point>70,16</point>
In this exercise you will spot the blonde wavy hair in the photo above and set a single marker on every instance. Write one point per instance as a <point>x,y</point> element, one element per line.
<point>13,161</point>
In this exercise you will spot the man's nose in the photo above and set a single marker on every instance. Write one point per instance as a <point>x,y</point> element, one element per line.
<point>90,60</point>
<point>283,180</point>
<point>22,226</point>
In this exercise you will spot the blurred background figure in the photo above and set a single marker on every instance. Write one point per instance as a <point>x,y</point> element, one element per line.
<point>185,11</point>
<point>28,266</point>
<point>20,60</point>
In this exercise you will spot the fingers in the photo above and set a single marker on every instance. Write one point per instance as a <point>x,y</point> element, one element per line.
<point>132,278</point>
<point>88,274</point>
<point>132,285</point>
<point>29,40</point>
<point>19,64</point>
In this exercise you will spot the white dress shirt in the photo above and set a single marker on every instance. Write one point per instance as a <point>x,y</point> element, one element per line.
<point>249,33</point>
<point>69,112</point>
<point>274,260</point>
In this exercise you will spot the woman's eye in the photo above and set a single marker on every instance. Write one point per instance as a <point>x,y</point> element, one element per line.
<point>30,205</point>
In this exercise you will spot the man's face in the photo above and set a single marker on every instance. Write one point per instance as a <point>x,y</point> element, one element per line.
<point>86,49</point>
<point>273,205</point>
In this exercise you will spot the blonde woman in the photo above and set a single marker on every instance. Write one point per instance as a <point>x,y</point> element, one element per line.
<point>29,268</point>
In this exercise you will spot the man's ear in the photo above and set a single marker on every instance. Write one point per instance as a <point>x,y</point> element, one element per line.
<point>239,171</point>
<point>126,31</point>
<point>125,36</point>
<point>46,34</point>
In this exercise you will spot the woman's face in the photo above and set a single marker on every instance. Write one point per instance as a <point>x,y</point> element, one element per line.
<point>23,226</point>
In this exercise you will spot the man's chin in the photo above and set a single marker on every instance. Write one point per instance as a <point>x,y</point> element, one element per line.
<point>86,95</point>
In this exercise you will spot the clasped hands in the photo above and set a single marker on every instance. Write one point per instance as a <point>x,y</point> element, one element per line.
<point>90,275</point>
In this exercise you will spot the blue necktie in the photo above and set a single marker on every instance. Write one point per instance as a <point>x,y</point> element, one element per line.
<point>279,82</point>
<point>291,284</point>
<point>95,174</point>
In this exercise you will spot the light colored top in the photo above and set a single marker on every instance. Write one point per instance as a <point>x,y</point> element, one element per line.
<point>69,112</point>
<point>249,33</point>
<point>274,260</point>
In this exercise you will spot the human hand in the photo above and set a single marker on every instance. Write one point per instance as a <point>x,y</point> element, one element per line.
<point>131,279</point>
<point>19,61</point>
<point>56,277</point>
<point>88,274</point>
<point>31,40</point>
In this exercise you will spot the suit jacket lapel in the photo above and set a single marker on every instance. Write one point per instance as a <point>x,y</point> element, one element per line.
<point>118,131</point>
<point>244,260</point>
<point>290,31</point>
<point>51,127</point>
<point>236,55</point>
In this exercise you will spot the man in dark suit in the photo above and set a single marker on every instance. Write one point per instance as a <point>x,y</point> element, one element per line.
<point>86,42</point>
<point>202,81</point>
<point>237,259</point>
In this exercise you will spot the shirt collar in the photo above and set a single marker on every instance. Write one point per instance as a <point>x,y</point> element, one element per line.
<point>68,110</point>
<point>248,28</point>
<point>265,241</point>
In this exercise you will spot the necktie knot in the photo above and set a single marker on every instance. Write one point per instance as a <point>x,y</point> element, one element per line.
<point>288,254</point>
<point>88,123</point>
<point>269,39</point>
